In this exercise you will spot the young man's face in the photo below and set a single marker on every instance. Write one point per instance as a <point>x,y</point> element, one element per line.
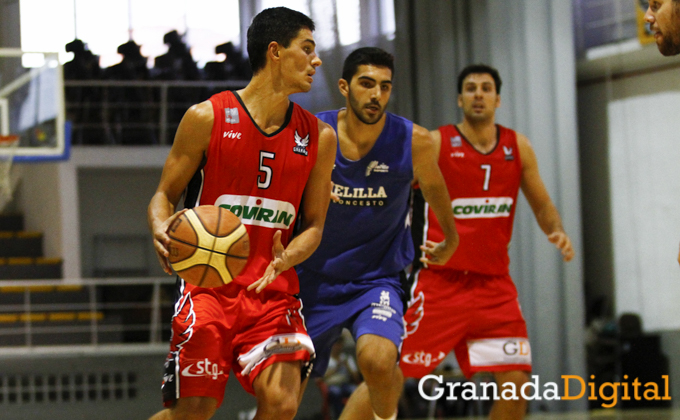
<point>369,92</point>
<point>479,98</point>
<point>664,19</point>
<point>299,61</point>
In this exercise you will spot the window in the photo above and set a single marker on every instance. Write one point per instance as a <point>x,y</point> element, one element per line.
<point>103,26</point>
<point>349,22</point>
<point>48,25</point>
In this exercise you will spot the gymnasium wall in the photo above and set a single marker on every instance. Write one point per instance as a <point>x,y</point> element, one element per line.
<point>629,138</point>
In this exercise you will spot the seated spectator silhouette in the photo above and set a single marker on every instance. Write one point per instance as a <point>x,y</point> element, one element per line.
<point>177,64</point>
<point>233,67</point>
<point>341,378</point>
<point>83,103</point>
<point>132,118</point>
<point>84,66</point>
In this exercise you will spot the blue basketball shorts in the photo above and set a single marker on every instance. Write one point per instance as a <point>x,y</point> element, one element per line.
<point>363,307</point>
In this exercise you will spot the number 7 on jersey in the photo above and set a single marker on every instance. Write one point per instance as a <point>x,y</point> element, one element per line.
<point>487,176</point>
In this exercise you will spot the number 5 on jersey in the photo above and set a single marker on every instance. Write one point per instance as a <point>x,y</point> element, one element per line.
<point>265,180</point>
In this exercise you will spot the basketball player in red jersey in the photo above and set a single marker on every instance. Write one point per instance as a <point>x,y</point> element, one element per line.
<point>267,160</point>
<point>663,17</point>
<point>470,305</point>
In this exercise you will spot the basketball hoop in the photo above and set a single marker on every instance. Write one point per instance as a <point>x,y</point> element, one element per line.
<point>8,144</point>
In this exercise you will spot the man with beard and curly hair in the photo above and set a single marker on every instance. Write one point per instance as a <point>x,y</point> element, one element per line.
<point>663,17</point>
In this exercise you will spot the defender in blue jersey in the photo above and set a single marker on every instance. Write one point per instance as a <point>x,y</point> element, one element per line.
<point>353,279</point>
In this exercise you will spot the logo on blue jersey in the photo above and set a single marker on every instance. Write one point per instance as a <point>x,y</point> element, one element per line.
<point>231,115</point>
<point>383,310</point>
<point>301,144</point>
<point>374,166</point>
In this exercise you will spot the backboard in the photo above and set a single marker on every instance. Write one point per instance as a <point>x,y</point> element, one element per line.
<point>32,104</point>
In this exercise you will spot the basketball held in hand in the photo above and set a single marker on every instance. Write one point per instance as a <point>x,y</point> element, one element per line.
<point>209,246</point>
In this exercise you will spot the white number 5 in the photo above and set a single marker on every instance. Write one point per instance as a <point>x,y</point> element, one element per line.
<point>267,181</point>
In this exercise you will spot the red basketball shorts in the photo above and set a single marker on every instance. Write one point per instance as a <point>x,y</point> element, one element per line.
<point>215,330</point>
<point>478,316</point>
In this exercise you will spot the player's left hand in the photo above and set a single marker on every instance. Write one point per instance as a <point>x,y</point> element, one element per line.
<point>563,243</point>
<point>278,265</point>
<point>436,253</point>
<point>334,196</point>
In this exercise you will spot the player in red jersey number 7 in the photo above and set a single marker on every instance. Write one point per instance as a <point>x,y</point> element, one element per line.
<point>469,304</point>
<point>265,159</point>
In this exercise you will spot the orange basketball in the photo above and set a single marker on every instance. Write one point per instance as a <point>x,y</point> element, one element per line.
<point>209,246</point>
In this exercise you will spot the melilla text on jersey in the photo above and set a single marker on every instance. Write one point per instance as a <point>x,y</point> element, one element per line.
<point>353,196</point>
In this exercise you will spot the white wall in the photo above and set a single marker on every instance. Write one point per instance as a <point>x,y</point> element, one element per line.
<point>97,191</point>
<point>629,129</point>
<point>644,161</point>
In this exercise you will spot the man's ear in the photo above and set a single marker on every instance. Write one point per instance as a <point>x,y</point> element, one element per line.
<point>274,50</point>
<point>343,86</point>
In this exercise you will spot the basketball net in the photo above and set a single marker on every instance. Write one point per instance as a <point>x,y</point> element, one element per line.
<point>9,145</point>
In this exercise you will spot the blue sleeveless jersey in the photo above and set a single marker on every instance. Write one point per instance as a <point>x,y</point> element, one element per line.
<point>367,233</point>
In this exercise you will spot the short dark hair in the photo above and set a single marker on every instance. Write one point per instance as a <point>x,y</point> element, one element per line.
<point>366,56</point>
<point>480,69</point>
<point>278,24</point>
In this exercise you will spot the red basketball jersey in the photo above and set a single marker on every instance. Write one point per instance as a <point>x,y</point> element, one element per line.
<point>483,190</point>
<point>260,178</point>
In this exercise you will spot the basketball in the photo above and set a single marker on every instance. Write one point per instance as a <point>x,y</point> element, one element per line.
<point>209,246</point>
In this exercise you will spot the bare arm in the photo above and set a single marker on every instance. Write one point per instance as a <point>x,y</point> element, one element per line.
<point>191,142</point>
<point>315,201</point>
<point>534,190</point>
<point>425,151</point>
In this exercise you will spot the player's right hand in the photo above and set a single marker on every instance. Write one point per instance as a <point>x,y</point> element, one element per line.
<point>278,265</point>
<point>563,243</point>
<point>436,253</point>
<point>161,241</point>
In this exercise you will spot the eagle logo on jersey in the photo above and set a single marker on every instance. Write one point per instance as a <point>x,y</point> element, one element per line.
<point>508,153</point>
<point>301,144</point>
